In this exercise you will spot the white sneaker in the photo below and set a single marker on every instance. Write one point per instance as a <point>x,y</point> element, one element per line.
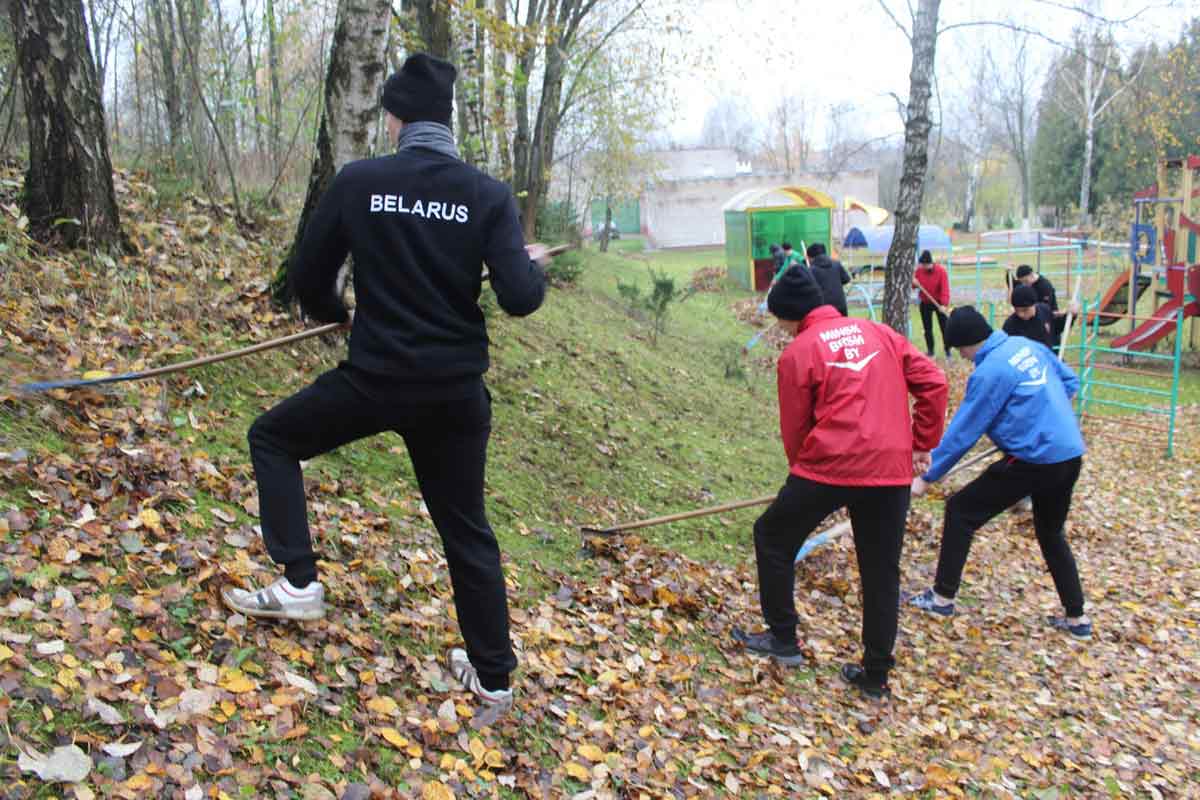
<point>464,672</point>
<point>280,600</point>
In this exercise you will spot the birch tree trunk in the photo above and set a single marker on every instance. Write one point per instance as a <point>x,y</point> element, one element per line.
<point>70,175</point>
<point>357,63</point>
<point>1090,91</point>
<point>972,191</point>
<point>189,17</point>
<point>165,28</point>
<point>433,25</point>
<point>275,122</point>
<point>900,258</point>
<point>541,150</point>
<point>137,81</point>
<point>253,65</point>
<point>499,115</point>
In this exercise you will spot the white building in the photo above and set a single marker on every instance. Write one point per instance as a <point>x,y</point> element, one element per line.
<point>683,206</point>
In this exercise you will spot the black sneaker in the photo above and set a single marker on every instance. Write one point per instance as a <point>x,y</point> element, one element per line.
<point>764,643</point>
<point>855,675</point>
<point>924,601</point>
<point>1080,633</point>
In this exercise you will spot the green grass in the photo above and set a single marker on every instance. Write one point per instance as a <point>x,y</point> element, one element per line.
<point>592,424</point>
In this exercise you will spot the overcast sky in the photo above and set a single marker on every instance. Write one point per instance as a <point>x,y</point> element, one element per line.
<point>849,51</point>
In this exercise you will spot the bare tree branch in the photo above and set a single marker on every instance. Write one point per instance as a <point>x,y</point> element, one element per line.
<point>1132,80</point>
<point>1094,16</point>
<point>1017,28</point>
<point>569,98</point>
<point>892,17</point>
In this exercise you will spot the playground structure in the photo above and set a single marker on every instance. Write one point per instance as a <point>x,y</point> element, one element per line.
<point>1122,375</point>
<point>1173,221</point>
<point>1124,368</point>
<point>757,218</point>
<point>1116,300</point>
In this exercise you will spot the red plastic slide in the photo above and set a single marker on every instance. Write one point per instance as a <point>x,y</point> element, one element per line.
<point>1116,298</point>
<point>1150,331</point>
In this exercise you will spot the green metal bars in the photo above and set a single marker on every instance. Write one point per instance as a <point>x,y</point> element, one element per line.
<point>1139,398</point>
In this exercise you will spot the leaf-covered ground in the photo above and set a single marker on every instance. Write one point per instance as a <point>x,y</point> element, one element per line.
<point>123,513</point>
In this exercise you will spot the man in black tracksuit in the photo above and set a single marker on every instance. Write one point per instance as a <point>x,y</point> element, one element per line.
<point>419,224</point>
<point>830,276</point>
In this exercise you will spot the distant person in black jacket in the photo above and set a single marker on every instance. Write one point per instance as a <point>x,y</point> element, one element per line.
<point>776,256</point>
<point>1043,289</point>
<point>420,225</point>
<point>1032,319</point>
<point>830,276</point>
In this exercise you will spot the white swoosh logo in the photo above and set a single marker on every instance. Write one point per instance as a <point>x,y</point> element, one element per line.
<point>1039,382</point>
<point>857,366</point>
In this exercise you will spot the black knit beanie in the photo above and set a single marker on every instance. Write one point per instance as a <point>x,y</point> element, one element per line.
<point>816,249</point>
<point>795,294</point>
<point>966,327</point>
<point>423,89</point>
<point>1023,296</point>
<point>926,257</point>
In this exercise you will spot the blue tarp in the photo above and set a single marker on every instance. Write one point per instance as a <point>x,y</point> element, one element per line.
<point>878,240</point>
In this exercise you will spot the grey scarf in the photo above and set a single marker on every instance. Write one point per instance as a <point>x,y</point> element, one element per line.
<point>429,135</point>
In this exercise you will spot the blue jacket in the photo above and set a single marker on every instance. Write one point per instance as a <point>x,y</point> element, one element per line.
<point>1020,396</point>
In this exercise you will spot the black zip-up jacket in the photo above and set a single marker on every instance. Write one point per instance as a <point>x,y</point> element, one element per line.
<point>420,225</point>
<point>830,275</point>
<point>1042,327</point>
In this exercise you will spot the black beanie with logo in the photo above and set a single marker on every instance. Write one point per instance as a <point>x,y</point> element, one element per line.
<point>423,89</point>
<point>795,294</point>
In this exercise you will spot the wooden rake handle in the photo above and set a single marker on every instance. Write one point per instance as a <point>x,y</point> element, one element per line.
<point>757,501</point>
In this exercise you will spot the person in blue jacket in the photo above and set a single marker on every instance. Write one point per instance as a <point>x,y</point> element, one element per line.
<point>1020,396</point>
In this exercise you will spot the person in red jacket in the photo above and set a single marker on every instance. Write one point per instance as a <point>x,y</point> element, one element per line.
<point>850,442</point>
<point>932,278</point>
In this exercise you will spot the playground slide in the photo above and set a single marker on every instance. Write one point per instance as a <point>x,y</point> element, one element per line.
<point>1150,331</point>
<point>1116,297</point>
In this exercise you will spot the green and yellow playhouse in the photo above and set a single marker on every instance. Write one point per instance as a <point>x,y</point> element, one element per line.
<point>758,218</point>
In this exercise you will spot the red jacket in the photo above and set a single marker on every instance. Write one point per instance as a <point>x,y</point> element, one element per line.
<point>843,402</point>
<point>934,281</point>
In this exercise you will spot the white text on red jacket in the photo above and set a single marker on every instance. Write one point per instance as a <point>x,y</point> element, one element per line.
<point>847,338</point>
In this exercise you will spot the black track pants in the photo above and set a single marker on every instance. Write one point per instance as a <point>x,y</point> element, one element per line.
<point>877,515</point>
<point>927,312</point>
<point>1003,483</point>
<point>447,442</point>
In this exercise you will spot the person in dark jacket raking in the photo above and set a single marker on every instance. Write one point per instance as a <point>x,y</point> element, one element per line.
<point>1020,396</point>
<point>850,443</point>
<point>1032,319</point>
<point>420,224</point>
<point>1042,287</point>
<point>830,275</point>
